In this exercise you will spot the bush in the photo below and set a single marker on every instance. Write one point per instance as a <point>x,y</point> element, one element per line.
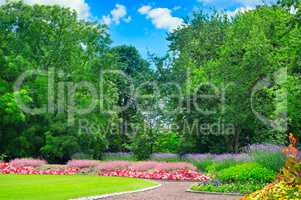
<point>246,172</point>
<point>220,165</point>
<point>27,162</point>
<point>203,165</point>
<point>82,163</point>
<point>167,143</point>
<point>228,187</point>
<point>118,156</point>
<point>268,159</point>
<point>2,157</point>
<point>142,146</point>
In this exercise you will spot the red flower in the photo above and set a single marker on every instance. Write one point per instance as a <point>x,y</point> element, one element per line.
<point>177,175</point>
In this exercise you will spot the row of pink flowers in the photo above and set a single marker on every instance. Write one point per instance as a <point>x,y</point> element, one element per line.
<point>178,175</point>
<point>137,166</point>
<point>150,165</point>
<point>6,168</point>
<point>113,165</point>
<point>107,166</point>
<point>27,162</point>
<point>83,163</point>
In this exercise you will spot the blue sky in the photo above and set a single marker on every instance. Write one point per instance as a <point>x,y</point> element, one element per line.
<point>140,31</point>
<point>143,23</point>
<point>143,29</point>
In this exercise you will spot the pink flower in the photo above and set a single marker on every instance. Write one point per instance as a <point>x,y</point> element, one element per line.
<point>82,163</point>
<point>178,175</point>
<point>175,166</point>
<point>27,162</point>
<point>113,165</point>
<point>145,166</point>
<point>8,169</point>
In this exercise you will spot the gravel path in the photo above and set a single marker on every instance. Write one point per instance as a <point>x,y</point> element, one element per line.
<point>172,191</point>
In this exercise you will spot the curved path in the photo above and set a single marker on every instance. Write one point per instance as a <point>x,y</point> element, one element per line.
<point>172,191</point>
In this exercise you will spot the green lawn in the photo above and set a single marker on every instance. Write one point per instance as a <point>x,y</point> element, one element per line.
<point>36,187</point>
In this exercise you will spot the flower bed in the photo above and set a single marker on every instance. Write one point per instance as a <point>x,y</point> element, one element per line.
<point>144,170</point>
<point>177,175</point>
<point>288,184</point>
<point>280,190</point>
<point>6,168</point>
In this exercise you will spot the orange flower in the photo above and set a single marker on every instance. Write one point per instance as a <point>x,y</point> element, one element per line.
<point>293,139</point>
<point>291,150</point>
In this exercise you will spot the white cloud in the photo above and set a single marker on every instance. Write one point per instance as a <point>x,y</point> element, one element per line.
<point>80,6</point>
<point>244,3</point>
<point>175,8</point>
<point>106,20</point>
<point>128,19</point>
<point>118,14</point>
<point>144,9</point>
<point>239,10</point>
<point>254,3</point>
<point>161,17</point>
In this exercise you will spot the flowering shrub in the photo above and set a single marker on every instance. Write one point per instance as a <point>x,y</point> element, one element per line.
<point>275,191</point>
<point>27,162</point>
<point>82,163</point>
<point>178,175</point>
<point>113,165</point>
<point>288,184</point>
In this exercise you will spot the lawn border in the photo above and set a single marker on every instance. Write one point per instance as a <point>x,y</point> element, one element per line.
<point>215,193</point>
<point>119,193</point>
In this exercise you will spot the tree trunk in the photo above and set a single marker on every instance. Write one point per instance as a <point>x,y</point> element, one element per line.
<point>236,140</point>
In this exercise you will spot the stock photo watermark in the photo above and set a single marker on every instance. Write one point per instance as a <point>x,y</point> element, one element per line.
<point>62,97</point>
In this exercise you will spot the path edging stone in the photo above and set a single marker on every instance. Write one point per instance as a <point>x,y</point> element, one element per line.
<point>215,193</point>
<point>118,193</point>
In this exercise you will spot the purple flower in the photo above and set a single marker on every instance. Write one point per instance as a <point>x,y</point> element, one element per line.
<point>218,157</point>
<point>164,156</point>
<point>198,157</point>
<point>265,147</point>
<point>237,157</point>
